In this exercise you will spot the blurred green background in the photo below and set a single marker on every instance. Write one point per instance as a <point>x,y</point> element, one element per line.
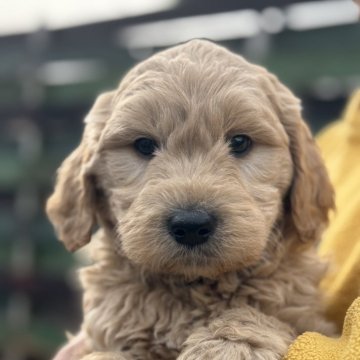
<point>56,58</point>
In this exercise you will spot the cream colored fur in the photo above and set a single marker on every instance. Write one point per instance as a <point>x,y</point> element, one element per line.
<point>253,287</point>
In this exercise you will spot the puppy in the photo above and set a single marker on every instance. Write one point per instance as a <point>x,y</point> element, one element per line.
<point>210,195</point>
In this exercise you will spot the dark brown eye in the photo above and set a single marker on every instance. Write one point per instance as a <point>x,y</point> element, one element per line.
<point>240,144</point>
<point>145,146</point>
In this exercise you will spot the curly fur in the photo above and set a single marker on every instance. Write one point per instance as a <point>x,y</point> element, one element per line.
<point>252,288</point>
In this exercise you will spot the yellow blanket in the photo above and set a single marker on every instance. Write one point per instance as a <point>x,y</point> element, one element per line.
<point>340,146</point>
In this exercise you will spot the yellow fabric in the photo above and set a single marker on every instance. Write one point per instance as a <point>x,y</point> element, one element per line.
<point>340,146</point>
<point>313,346</point>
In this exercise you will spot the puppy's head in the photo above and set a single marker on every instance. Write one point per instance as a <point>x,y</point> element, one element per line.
<point>192,163</point>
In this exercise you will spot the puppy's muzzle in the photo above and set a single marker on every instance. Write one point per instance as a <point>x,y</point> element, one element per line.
<point>191,227</point>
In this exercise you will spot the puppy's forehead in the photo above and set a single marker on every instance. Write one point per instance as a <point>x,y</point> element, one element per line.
<point>193,69</point>
<point>198,83</point>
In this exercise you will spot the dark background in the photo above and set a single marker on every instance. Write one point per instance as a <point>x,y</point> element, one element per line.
<point>49,79</point>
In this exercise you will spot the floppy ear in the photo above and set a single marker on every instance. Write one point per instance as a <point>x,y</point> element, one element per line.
<point>71,207</point>
<point>311,194</point>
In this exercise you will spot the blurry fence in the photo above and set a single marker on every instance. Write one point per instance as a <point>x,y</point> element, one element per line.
<point>37,300</point>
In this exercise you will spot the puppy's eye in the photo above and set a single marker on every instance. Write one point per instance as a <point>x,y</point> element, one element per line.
<point>145,146</point>
<point>240,144</point>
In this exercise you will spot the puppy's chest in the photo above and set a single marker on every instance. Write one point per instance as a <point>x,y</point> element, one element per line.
<point>151,322</point>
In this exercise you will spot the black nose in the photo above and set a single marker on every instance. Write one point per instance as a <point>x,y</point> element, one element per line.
<point>191,227</point>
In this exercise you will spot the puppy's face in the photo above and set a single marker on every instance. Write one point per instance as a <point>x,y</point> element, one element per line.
<point>195,179</point>
<point>193,160</point>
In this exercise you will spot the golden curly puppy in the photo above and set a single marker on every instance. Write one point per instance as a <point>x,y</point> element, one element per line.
<point>210,195</point>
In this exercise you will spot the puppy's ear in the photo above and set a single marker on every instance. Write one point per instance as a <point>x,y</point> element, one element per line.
<point>311,194</point>
<point>71,206</point>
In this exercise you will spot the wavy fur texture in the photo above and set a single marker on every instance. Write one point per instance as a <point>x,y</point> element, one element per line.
<point>253,287</point>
